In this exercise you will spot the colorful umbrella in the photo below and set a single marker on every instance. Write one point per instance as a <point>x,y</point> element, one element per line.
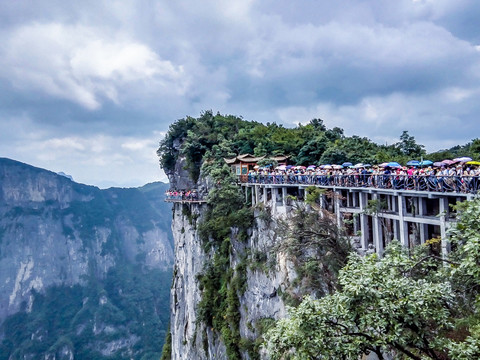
<point>345,164</point>
<point>413,163</point>
<point>463,159</point>
<point>438,164</point>
<point>473,163</point>
<point>393,164</point>
<point>425,163</point>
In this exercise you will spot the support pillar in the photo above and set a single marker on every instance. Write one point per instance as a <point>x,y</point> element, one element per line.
<point>284,196</point>
<point>274,198</point>
<point>257,196</point>
<point>363,221</point>
<point>336,200</point>
<point>403,225</point>
<point>422,210</point>
<point>443,207</point>
<point>265,192</point>
<point>377,232</point>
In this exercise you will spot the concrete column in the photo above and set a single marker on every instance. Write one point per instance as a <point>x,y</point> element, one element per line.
<point>336,200</point>
<point>363,220</point>
<point>252,188</point>
<point>443,207</point>
<point>265,191</point>
<point>274,198</point>
<point>355,199</point>
<point>257,196</point>
<point>396,230</point>
<point>403,225</point>
<point>377,232</point>
<point>422,210</point>
<point>284,196</point>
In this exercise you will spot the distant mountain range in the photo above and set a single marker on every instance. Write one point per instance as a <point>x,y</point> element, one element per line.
<point>84,273</point>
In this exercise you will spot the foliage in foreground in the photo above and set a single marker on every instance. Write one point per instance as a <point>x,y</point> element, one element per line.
<point>408,305</point>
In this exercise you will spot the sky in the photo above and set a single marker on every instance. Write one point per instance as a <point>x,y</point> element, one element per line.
<point>90,87</point>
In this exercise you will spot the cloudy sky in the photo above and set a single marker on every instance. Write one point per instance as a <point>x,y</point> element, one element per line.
<point>89,87</point>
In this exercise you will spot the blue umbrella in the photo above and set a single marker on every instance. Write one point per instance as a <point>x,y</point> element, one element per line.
<point>393,164</point>
<point>345,164</point>
<point>413,163</point>
<point>425,163</point>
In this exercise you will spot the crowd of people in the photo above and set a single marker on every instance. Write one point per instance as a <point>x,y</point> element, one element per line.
<point>456,177</point>
<point>182,195</point>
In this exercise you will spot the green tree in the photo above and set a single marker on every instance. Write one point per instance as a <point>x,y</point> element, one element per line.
<point>408,146</point>
<point>383,306</point>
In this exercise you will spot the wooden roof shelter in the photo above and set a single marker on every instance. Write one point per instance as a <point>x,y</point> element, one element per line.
<point>241,164</point>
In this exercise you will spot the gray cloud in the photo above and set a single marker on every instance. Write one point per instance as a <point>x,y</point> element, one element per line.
<point>100,80</point>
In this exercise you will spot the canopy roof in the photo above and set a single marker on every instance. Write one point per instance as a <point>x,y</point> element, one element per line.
<point>248,158</point>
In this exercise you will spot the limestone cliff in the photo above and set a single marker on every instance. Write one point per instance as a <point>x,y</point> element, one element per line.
<point>264,276</point>
<point>58,234</point>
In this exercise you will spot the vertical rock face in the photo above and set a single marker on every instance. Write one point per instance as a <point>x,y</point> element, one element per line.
<point>261,300</point>
<point>55,232</point>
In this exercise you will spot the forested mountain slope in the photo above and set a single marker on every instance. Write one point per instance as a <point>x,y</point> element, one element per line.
<point>84,273</point>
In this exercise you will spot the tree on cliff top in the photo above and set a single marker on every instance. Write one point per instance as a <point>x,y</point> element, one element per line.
<point>212,137</point>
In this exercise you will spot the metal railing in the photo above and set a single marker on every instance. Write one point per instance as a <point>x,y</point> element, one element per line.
<point>193,198</point>
<point>433,183</point>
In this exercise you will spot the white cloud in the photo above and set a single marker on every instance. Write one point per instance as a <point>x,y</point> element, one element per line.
<point>82,64</point>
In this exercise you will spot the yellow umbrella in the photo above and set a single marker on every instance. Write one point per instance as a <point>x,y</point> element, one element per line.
<point>473,163</point>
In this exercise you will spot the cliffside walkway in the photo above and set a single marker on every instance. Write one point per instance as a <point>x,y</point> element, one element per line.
<point>374,209</point>
<point>430,183</point>
<point>185,201</point>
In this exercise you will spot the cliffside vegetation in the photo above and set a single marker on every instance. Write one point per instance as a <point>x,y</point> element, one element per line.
<point>210,137</point>
<point>414,306</point>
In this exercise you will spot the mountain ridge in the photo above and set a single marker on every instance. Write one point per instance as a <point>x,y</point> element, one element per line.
<point>59,238</point>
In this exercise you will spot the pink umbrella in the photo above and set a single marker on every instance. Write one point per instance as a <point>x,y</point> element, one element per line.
<point>463,159</point>
<point>448,162</point>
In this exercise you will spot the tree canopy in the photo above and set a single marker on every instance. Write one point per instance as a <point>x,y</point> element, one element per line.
<point>211,137</point>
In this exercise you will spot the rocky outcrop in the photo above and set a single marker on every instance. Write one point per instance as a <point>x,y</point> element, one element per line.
<point>267,275</point>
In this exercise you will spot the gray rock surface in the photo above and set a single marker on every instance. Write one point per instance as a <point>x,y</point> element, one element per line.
<point>55,232</point>
<point>192,340</point>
